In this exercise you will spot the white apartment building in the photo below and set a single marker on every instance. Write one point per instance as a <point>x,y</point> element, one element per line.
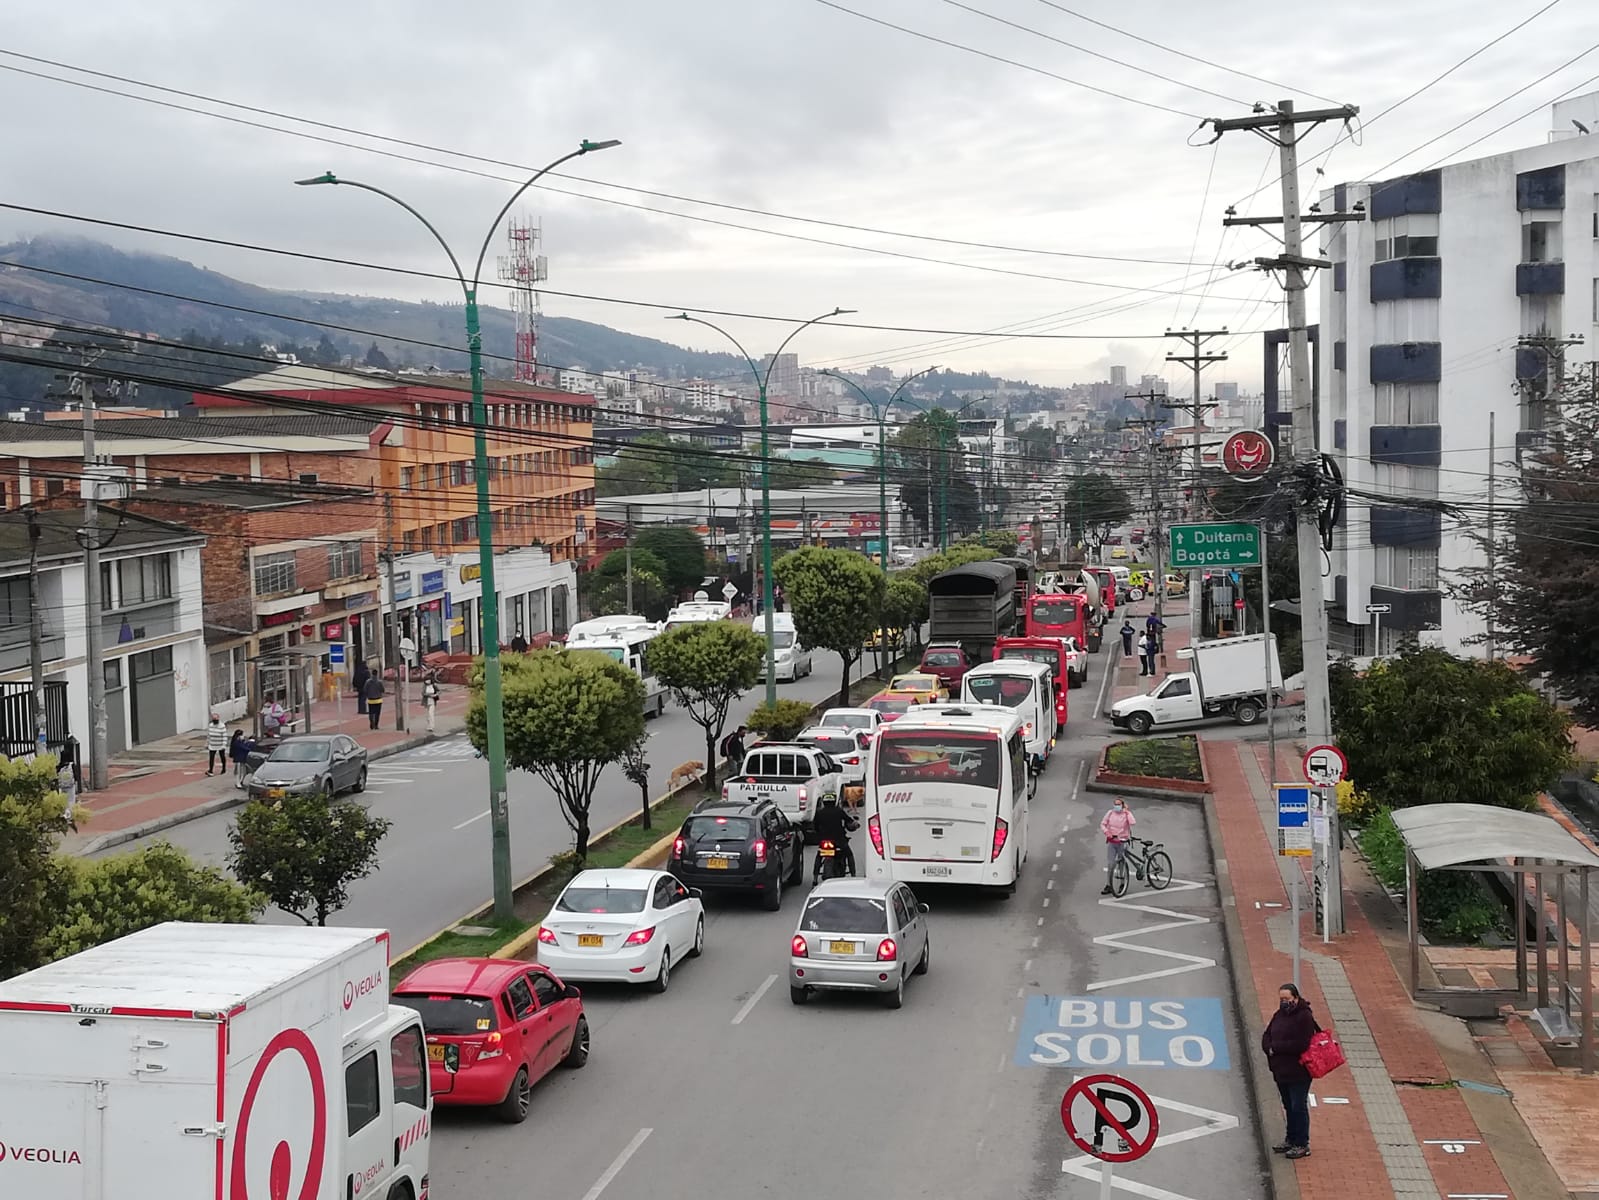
<point>1441,313</point>
<point>705,396</point>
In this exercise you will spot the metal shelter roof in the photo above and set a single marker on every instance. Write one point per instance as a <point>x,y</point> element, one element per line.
<point>1452,835</point>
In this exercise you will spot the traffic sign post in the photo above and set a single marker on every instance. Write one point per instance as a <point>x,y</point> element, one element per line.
<point>1325,766</point>
<point>1198,545</point>
<point>1376,612</point>
<point>1293,841</point>
<point>1099,1105</point>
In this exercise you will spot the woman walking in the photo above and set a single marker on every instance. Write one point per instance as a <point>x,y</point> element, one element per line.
<point>239,752</point>
<point>1286,1037</point>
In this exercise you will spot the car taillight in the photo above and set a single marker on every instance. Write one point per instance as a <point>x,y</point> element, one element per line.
<point>724,791</point>
<point>760,852</point>
<point>803,795</point>
<point>853,760</point>
<point>677,847</point>
<point>547,935</point>
<point>798,948</point>
<point>1001,832</point>
<point>874,830</point>
<point>640,936</point>
<point>887,951</point>
<point>1027,730</point>
<point>491,1047</point>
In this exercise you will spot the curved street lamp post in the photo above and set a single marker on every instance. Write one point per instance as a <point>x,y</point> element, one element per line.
<point>489,604</point>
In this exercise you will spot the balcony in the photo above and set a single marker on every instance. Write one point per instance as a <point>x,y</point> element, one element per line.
<point>15,654</point>
<point>142,621</point>
<point>1541,279</point>
<point>1394,526</point>
<point>1406,362</point>
<point>1411,611</point>
<point>1407,279</point>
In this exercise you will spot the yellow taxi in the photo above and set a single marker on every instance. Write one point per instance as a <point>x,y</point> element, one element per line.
<point>1177,585</point>
<point>927,689</point>
<point>1119,552</point>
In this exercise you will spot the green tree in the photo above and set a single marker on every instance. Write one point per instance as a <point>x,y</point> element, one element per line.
<point>927,462</point>
<point>657,462</point>
<point>905,607</point>
<point>303,852</point>
<point>680,552</point>
<point>377,359</point>
<point>706,666</point>
<point>780,722</point>
<point>112,897</point>
<point>836,597</point>
<point>1094,504</point>
<point>326,353</point>
<point>605,588</point>
<point>1425,727</point>
<point>33,880</point>
<point>636,766</point>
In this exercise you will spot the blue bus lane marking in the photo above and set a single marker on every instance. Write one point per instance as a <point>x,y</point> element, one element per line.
<point>1123,1032</point>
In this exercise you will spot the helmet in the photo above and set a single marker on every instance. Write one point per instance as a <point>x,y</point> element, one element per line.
<point>829,799</point>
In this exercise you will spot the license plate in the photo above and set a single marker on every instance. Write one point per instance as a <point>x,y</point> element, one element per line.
<point>902,849</point>
<point>277,793</point>
<point>590,939</point>
<point>717,864</point>
<point>841,947</point>
<point>826,852</point>
<point>938,872</point>
<point>436,1054</point>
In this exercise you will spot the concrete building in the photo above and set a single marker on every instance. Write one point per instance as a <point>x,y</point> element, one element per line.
<point>1443,311</point>
<point>785,375</point>
<point>440,599</point>
<point>1118,377</point>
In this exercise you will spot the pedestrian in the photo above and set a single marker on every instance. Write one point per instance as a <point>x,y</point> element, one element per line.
<point>216,746</point>
<point>272,718</point>
<point>239,751</point>
<point>373,691</point>
<point>1286,1037</point>
<point>1156,628</point>
<point>1128,634</point>
<point>430,698</point>
<point>519,643</point>
<point>733,748</point>
<point>1146,654</point>
<point>1117,826</point>
<point>69,778</point>
<point>358,678</point>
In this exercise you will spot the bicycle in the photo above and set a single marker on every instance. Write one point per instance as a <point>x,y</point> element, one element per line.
<point>1152,865</point>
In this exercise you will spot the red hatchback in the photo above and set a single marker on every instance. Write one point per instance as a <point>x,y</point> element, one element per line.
<point>495,1027</point>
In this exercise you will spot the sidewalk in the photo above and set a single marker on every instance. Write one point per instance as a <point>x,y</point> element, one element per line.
<point>162,784</point>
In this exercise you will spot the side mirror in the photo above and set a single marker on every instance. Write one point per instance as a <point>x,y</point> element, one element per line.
<point>452,1059</point>
<point>926,908</point>
<point>695,894</point>
<point>571,991</point>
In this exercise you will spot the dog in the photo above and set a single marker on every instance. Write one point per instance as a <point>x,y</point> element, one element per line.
<point>687,773</point>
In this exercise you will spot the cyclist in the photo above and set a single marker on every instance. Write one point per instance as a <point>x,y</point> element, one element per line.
<point>1117,826</point>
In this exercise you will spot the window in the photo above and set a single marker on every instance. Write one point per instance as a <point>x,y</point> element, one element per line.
<point>227,675</point>
<point>938,756</point>
<point>1540,242</point>
<point>407,478</point>
<point>1396,480</point>
<point>663,894</point>
<point>844,914</point>
<point>452,1016</point>
<point>1177,687</point>
<point>344,560</point>
<point>545,990</point>
<point>274,573</point>
<point>1405,404</point>
<point>55,487</point>
<point>1411,236</point>
<point>308,477</point>
<point>461,530</point>
<point>362,1096</point>
<point>407,1061</point>
<point>519,999</point>
<point>143,580</point>
<point>457,474</point>
<point>1407,568</point>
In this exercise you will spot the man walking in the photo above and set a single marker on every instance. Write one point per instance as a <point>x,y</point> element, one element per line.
<point>358,678</point>
<point>1148,647</point>
<point>373,691</point>
<point>216,746</point>
<point>1128,633</point>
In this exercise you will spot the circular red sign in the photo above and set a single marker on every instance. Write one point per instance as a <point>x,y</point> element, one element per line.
<point>291,1041</point>
<point>1247,453</point>
<point>1102,1091</point>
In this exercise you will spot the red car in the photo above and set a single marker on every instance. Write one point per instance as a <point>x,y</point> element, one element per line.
<point>948,662</point>
<point>495,1027</point>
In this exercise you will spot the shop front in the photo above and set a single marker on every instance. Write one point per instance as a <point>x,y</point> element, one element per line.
<point>421,599</point>
<point>535,597</point>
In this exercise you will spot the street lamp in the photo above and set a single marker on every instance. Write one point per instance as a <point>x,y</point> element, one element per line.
<point>881,413</point>
<point>766,479</point>
<point>499,817</point>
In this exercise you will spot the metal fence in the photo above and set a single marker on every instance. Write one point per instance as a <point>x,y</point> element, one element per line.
<point>17,730</point>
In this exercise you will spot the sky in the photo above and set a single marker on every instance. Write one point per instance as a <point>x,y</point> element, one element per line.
<point>1098,211</point>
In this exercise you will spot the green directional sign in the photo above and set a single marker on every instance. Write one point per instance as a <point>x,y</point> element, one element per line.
<point>1214,544</point>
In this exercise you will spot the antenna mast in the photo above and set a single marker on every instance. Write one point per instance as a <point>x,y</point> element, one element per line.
<point>524,268</point>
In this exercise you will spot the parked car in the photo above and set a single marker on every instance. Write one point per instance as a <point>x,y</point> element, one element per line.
<point>323,764</point>
<point>739,846</point>
<point>858,935</point>
<point>622,926</point>
<point>495,1027</point>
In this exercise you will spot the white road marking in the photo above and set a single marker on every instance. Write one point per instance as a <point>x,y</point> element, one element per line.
<point>472,820</point>
<point>1027,966</point>
<point>755,998</point>
<point>615,1169</point>
<point>1049,885</point>
<point>1085,1166</point>
<point>1046,901</point>
<point>1003,1059</point>
<point>1035,943</point>
<point>1058,853</point>
<point>1108,674</point>
<point>1040,920</point>
<point>1013,1023</point>
<point>1122,941</point>
<point>1077,784</point>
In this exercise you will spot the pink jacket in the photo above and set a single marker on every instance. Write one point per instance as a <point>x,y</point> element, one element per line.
<point>1117,825</point>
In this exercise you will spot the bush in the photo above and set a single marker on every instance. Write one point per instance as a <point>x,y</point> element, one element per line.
<point>1454,906</point>
<point>1162,758</point>
<point>782,721</point>
<point>1356,807</point>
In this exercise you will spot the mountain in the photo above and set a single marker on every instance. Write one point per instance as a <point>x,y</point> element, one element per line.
<point>202,307</point>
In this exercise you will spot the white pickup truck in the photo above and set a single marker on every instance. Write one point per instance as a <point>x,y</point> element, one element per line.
<point>1228,680</point>
<point>792,776</point>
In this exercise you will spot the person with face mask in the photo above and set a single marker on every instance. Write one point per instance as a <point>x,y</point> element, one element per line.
<point>1287,1036</point>
<point>1117,826</point>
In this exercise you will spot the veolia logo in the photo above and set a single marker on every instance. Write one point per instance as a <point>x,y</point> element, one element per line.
<point>281,1164</point>
<point>44,1155</point>
<point>354,989</point>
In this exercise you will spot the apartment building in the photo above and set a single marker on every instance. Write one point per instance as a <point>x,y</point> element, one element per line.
<point>1451,313</point>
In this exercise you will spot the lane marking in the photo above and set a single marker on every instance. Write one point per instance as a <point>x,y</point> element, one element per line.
<point>755,998</point>
<point>615,1169</point>
<point>1012,1023</point>
<point>1046,901</point>
<point>1077,786</point>
<point>470,820</point>
<point>1107,674</point>
<point>1027,966</point>
<point>1058,853</point>
<point>1040,920</point>
<point>1085,1166</point>
<point>1125,939</point>
<point>1035,943</point>
<point>1049,885</point>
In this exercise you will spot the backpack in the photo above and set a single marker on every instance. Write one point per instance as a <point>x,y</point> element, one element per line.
<point>729,745</point>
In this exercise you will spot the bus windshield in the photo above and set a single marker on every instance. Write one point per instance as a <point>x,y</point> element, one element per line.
<point>1038,654</point>
<point>937,755</point>
<point>1054,612</point>
<point>1010,690</point>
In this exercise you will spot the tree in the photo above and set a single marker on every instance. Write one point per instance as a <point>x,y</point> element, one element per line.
<point>605,588</point>
<point>706,666</point>
<point>905,607</point>
<point>636,766</point>
<point>1094,504</point>
<point>836,597</point>
<point>33,880</point>
<point>656,462</point>
<point>680,552</point>
<point>326,353</point>
<point>303,852</point>
<point>926,451</point>
<point>376,358</point>
<point>1425,727</point>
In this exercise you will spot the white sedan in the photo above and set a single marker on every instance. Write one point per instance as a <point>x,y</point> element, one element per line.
<point>622,926</point>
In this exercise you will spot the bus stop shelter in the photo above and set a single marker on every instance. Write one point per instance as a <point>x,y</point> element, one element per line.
<point>1524,845</point>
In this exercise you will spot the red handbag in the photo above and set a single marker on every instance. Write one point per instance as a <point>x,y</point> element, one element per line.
<point>1323,1056</point>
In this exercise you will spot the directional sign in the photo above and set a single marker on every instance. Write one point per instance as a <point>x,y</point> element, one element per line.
<point>1378,610</point>
<point>1110,1118</point>
<point>1325,766</point>
<point>1247,454</point>
<point>1214,544</point>
<point>1293,822</point>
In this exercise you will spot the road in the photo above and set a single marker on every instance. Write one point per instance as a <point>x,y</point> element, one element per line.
<point>722,1089</point>
<point>435,861</point>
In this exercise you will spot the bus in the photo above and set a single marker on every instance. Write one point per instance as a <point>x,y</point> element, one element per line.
<point>627,640</point>
<point>1063,615</point>
<point>695,611</point>
<point>947,798</point>
<point>1028,689</point>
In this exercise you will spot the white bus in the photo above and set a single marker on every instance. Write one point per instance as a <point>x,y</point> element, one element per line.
<point>626,639</point>
<point>1027,688</point>
<point>947,798</point>
<point>693,611</point>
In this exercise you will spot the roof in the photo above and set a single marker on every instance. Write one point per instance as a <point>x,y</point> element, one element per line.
<point>998,573</point>
<point>1452,835</point>
<point>121,532</point>
<point>209,429</point>
<point>229,494</point>
<point>463,976</point>
<point>621,877</point>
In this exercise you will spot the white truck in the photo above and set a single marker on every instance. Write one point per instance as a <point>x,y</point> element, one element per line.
<point>792,776</point>
<point>214,1062</point>
<point>1229,679</point>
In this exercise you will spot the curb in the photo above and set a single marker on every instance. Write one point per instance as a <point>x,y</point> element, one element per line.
<point>1143,793</point>
<point>133,833</point>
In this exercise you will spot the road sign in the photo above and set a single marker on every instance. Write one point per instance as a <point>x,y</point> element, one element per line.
<point>1379,609</point>
<point>1293,822</point>
<point>1325,766</point>
<point>336,654</point>
<point>1086,1113</point>
<point>729,591</point>
<point>1247,454</point>
<point>1118,1032</point>
<point>1214,544</point>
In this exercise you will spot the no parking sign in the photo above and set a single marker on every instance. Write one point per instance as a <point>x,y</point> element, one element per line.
<point>1110,1118</point>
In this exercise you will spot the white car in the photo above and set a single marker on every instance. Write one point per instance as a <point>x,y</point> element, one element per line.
<point>622,926</point>
<point>867,720</point>
<point>851,749</point>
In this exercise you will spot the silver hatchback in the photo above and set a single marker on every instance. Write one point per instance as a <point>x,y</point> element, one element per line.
<point>858,935</point>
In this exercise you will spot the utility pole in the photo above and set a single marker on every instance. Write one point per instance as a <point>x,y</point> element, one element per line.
<point>1493,575</point>
<point>36,631</point>
<point>1196,360</point>
<point>1157,522</point>
<point>629,534</point>
<point>1282,128</point>
<point>391,644</point>
<point>93,617</point>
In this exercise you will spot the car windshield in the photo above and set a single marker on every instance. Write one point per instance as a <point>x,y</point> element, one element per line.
<point>1010,690</point>
<point>601,900</point>
<point>718,829</point>
<point>913,683</point>
<point>890,706</point>
<point>847,720</point>
<point>942,658</point>
<point>834,743</point>
<point>782,639</point>
<point>844,914</point>
<point>300,751</point>
<point>1037,654</point>
<point>450,1016</point>
<point>933,755</point>
<point>1053,612</point>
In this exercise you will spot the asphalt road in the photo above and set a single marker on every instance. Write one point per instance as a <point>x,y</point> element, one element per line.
<point>435,861</point>
<point>722,1089</point>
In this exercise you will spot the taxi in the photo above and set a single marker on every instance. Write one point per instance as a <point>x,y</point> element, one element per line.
<point>928,688</point>
<point>1119,552</point>
<point>1177,585</point>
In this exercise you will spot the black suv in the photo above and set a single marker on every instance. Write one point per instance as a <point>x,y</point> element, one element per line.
<point>739,846</point>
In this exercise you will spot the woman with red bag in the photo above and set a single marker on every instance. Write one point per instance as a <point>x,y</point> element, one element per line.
<point>1285,1040</point>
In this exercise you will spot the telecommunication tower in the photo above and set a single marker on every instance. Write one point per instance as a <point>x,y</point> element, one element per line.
<point>524,268</point>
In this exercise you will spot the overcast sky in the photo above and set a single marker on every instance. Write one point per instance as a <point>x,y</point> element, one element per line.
<point>791,107</point>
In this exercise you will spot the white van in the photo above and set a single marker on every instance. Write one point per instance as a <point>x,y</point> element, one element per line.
<point>1025,687</point>
<point>947,798</point>
<point>626,639</point>
<point>791,660</point>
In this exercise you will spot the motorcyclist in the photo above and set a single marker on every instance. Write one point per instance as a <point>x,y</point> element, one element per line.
<point>833,824</point>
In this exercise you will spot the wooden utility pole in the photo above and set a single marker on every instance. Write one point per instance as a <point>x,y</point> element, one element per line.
<point>1196,360</point>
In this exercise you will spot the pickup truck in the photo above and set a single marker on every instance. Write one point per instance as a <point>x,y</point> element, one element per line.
<point>792,776</point>
<point>1229,679</point>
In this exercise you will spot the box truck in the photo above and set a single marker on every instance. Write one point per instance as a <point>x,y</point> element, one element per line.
<point>1228,680</point>
<point>214,1062</point>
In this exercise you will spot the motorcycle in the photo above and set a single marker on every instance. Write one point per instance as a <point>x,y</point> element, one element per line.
<point>829,863</point>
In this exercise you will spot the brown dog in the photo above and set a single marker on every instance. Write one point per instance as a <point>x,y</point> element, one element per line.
<point>687,773</point>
